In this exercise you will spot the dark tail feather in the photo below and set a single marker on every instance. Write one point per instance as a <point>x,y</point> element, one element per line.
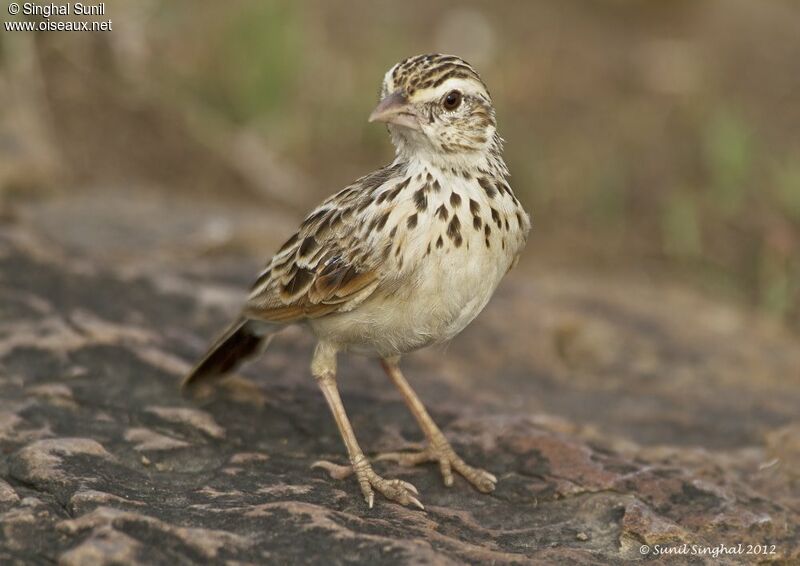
<point>239,342</point>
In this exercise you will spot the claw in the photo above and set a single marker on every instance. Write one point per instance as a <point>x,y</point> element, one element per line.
<point>408,486</point>
<point>371,500</point>
<point>417,502</point>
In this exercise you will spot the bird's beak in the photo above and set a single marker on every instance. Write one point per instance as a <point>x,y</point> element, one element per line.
<point>395,109</point>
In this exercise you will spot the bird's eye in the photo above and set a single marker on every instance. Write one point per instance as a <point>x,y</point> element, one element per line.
<point>452,100</point>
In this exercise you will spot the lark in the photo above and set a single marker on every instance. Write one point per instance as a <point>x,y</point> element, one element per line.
<point>403,258</point>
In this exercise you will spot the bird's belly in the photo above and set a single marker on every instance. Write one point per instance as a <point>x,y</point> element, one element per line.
<point>446,295</point>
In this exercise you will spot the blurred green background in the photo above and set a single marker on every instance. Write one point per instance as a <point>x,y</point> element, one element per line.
<point>655,137</point>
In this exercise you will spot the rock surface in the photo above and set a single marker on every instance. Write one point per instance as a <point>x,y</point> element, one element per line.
<point>616,415</point>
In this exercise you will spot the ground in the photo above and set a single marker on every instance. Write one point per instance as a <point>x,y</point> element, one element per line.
<point>616,411</point>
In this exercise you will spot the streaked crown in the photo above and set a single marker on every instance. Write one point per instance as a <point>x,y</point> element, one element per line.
<point>429,72</point>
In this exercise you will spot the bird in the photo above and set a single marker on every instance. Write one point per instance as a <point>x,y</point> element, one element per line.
<point>403,258</point>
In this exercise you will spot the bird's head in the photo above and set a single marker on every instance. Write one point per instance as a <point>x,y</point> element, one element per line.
<point>437,108</point>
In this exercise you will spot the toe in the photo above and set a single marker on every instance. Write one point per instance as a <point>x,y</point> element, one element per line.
<point>404,458</point>
<point>484,481</point>
<point>447,472</point>
<point>335,471</point>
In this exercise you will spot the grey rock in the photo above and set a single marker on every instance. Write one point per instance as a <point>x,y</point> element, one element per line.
<point>614,416</point>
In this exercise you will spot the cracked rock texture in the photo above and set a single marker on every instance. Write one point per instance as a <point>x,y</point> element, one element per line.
<point>615,413</point>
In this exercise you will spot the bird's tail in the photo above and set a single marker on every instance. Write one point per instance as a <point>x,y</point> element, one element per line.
<point>242,340</point>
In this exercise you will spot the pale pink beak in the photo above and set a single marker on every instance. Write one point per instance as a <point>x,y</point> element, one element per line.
<point>395,109</point>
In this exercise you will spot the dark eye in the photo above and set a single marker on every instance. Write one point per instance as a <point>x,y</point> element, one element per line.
<point>452,100</point>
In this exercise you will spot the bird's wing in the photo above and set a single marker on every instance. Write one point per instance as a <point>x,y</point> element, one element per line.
<point>326,266</point>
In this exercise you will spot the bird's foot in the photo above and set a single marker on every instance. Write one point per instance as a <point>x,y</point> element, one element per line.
<point>439,450</point>
<point>399,491</point>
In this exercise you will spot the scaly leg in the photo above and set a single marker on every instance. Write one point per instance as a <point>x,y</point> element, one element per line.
<point>438,449</point>
<point>324,369</point>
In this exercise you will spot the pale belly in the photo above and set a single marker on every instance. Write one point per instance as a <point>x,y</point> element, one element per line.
<point>445,295</point>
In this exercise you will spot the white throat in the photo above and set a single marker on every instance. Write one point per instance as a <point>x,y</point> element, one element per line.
<point>415,147</point>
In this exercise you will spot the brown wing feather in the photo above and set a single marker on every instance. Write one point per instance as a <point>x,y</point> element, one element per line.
<point>323,267</point>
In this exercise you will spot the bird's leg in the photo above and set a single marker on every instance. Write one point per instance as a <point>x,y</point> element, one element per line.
<point>324,369</point>
<point>438,448</point>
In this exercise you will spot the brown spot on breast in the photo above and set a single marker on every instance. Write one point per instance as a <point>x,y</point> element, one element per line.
<point>393,231</point>
<point>439,242</point>
<point>421,199</point>
<point>412,221</point>
<point>496,218</point>
<point>487,186</point>
<point>455,199</point>
<point>442,213</point>
<point>474,207</point>
<point>454,230</point>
